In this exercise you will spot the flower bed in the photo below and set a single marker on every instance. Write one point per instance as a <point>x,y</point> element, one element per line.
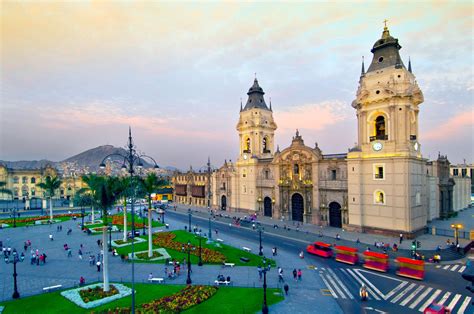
<point>46,221</point>
<point>33,219</point>
<point>165,239</point>
<point>96,293</point>
<point>74,295</point>
<point>158,254</point>
<point>118,220</point>
<point>100,229</point>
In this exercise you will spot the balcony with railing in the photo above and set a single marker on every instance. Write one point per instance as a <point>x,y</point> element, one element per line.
<point>379,137</point>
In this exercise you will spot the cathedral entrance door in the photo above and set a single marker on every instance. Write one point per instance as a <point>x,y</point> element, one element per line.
<point>223,202</point>
<point>267,206</point>
<point>335,217</point>
<point>35,203</point>
<point>297,207</point>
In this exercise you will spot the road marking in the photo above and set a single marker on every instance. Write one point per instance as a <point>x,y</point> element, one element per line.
<point>438,266</point>
<point>328,286</point>
<point>336,286</point>
<point>454,301</point>
<point>401,294</point>
<point>340,283</point>
<point>372,309</point>
<point>400,286</point>
<point>462,269</point>
<point>421,297</point>
<point>464,305</point>
<point>454,267</point>
<point>446,267</point>
<point>361,283</point>
<point>430,300</point>
<point>369,283</point>
<point>445,297</point>
<point>326,292</point>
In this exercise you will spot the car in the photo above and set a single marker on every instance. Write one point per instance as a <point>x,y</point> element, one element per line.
<point>129,234</point>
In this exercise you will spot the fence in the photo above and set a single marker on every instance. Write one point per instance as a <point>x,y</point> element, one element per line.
<point>448,232</point>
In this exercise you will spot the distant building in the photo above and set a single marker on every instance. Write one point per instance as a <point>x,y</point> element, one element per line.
<point>191,188</point>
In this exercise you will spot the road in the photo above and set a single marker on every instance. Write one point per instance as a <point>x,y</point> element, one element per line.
<point>388,293</point>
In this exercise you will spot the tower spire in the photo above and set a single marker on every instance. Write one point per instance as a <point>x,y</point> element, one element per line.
<point>409,65</point>
<point>362,71</point>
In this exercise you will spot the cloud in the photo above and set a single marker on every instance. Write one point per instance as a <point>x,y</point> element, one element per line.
<point>453,127</point>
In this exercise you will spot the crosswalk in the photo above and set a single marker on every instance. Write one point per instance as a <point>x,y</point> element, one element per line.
<point>452,267</point>
<point>344,284</point>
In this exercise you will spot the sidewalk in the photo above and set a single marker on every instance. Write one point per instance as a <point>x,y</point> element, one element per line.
<point>310,233</point>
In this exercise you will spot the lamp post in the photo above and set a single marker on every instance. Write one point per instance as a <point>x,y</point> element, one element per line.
<point>14,217</point>
<point>456,228</point>
<point>110,236</point>
<point>188,248</point>
<point>189,218</point>
<point>260,251</point>
<point>200,252</point>
<point>131,160</point>
<point>13,259</point>
<point>264,270</point>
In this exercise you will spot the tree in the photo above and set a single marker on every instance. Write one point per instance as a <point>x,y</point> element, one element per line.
<point>149,185</point>
<point>122,189</point>
<point>107,194</point>
<point>50,185</point>
<point>4,190</point>
<point>93,182</point>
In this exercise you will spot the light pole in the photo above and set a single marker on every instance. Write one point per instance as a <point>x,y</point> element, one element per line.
<point>14,217</point>
<point>188,280</point>
<point>260,251</point>
<point>110,236</point>
<point>189,218</point>
<point>264,270</point>
<point>13,259</point>
<point>200,251</point>
<point>131,160</point>
<point>456,228</point>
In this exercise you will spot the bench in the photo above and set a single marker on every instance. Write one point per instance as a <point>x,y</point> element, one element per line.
<point>48,289</point>
<point>217,282</point>
<point>158,280</point>
<point>245,259</point>
<point>219,240</point>
<point>229,264</point>
<point>246,249</point>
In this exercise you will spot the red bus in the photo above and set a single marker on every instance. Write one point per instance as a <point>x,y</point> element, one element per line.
<point>410,268</point>
<point>376,261</point>
<point>320,249</point>
<point>346,255</point>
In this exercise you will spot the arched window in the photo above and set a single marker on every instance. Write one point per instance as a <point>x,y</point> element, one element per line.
<point>379,197</point>
<point>266,174</point>
<point>380,128</point>
<point>24,180</point>
<point>16,180</point>
<point>24,191</point>
<point>296,169</point>
<point>33,180</point>
<point>247,145</point>
<point>265,145</point>
<point>33,192</point>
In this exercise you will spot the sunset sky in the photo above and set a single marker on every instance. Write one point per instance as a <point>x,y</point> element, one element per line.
<point>75,75</point>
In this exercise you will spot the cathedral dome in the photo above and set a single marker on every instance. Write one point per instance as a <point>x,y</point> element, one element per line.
<point>386,52</point>
<point>256,99</point>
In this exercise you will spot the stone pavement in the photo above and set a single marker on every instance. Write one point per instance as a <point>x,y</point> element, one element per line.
<point>311,233</point>
<point>59,269</point>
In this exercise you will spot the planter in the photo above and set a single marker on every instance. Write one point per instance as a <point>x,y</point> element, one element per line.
<point>74,296</point>
<point>118,243</point>
<point>46,221</point>
<point>164,255</point>
<point>100,229</point>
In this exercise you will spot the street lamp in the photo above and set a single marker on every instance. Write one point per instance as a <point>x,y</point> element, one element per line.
<point>131,160</point>
<point>260,228</point>
<point>189,218</point>
<point>456,228</point>
<point>264,270</point>
<point>200,251</point>
<point>13,259</point>
<point>110,236</point>
<point>188,248</point>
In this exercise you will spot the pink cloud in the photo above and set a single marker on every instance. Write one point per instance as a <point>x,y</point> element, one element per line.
<point>451,127</point>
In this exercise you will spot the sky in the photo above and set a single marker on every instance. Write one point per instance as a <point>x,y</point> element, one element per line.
<point>74,75</point>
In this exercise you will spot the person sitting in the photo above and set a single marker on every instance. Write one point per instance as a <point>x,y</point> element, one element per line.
<point>220,278</point>
<point>228,278</point>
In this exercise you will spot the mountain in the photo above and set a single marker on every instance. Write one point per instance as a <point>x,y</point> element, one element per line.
<point>29,164</point>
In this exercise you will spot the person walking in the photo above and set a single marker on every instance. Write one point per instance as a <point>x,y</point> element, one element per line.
<point>300,273</point>
<point>260,272</point>
<point>286,288</point>
<point>80,253</point>
<point>401,238</point>
<point>51,237</point>
<point>295,274</point>
<point>280,275</point>
<point>98,266</point>
<point>69,252</point>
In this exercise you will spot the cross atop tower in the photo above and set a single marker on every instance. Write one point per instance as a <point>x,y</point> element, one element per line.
<point>385,23</point>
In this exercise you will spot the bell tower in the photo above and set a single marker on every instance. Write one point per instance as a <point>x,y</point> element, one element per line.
<point>256,126</point>
<point>385,169</point>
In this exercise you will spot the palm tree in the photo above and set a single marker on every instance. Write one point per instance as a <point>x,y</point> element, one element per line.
<point>93,184</point>
<point>50,186</point>
<point>149,185</point>
<point>107,195</point>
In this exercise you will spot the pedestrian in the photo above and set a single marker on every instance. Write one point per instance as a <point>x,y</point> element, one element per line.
<point>295,274</point>
<point>82,281</point>
<point>98,242</point>
<point>69,252</point>
<point>80,253</point>
<point>259,269</point>
<point>51,237</point>
<point>286,288</point>
<point>401,238</point>
<point>44,258</point>
<point>150,277</point>
<point>338,237</point>
<point>98,266</point>
<point>358,241</point>
<point>280,275</point>
<point>25,247</point>
<point>300,273</point>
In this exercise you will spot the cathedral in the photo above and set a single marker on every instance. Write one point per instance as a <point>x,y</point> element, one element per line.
<point>381,185</point>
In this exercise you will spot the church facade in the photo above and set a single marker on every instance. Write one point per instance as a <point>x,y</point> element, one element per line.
<point>382,185</point>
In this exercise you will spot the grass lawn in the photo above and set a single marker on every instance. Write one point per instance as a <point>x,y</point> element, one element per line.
<point>9,221</point>
<point>226,300</point>
<point>232,254</point>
